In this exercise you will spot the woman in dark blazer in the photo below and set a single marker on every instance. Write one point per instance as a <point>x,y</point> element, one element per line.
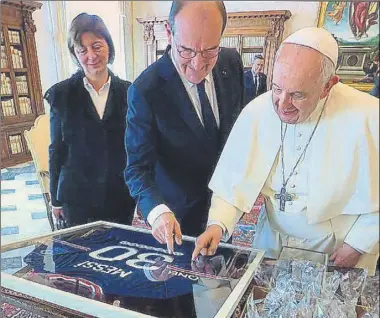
<point>87,124</point>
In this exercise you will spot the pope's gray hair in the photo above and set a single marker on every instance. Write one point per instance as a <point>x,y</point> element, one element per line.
<point>327,69</point>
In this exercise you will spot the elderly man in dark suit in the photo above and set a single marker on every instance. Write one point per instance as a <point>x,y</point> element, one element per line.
<point>181,111</point>
<point>255,81</point>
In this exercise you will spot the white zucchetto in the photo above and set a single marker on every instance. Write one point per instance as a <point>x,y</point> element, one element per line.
<point>318,39</point>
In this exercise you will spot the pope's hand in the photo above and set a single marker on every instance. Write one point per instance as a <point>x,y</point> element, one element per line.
<point>345,256</point>
<point>208,241</point>
<point>163,229</point>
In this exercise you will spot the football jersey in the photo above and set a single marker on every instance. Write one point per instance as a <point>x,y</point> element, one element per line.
<point>113,261</point>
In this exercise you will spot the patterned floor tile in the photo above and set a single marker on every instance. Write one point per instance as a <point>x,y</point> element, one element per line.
<point>8,208</point>
<point>23,206</point>
<point>10,230</point>
<point>35,197</point>
<point>31,182</point>
<point>8,191</point>
<point>39,215</point>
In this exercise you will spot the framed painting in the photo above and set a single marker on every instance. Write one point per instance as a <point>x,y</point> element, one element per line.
<point>355,26</point>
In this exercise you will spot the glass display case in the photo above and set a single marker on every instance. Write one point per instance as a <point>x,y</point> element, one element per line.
<point>109,270</point>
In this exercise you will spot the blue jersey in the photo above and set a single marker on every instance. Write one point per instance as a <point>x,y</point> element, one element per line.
<point>113,261</point>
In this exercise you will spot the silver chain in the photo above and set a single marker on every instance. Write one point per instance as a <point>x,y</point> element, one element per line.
<point>284,183</point>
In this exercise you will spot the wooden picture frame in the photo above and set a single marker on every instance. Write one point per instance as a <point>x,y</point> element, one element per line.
<point>355,26</point>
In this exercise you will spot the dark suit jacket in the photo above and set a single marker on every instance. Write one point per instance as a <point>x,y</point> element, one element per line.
<point>250,88</point>
<point>86,156</point>
<point>169,159</point>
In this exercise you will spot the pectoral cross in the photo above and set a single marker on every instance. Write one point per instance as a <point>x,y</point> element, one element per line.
<point>283,196</point>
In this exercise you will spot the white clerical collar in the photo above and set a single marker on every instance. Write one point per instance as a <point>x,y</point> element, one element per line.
<point>188,84</point>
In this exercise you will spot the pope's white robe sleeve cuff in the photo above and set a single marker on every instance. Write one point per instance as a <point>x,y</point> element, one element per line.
<point>156,212</point>
<point>364,234</point>
<point>223,214</point>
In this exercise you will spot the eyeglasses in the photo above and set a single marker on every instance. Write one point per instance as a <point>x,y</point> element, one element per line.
<point>206,54</point>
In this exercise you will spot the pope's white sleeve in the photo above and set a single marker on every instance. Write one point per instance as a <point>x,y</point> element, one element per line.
<point>223,214</point>
<point>364,234</point>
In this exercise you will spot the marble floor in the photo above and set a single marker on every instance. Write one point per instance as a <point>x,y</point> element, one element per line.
<point>23,210</point>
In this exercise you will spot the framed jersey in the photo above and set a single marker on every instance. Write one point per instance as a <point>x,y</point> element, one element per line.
<point>109,270</point>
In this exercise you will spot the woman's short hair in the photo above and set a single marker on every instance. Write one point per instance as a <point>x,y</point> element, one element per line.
<point>83,23</point>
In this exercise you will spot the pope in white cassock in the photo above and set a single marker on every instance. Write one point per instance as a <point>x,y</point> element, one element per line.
<point>311,147</point>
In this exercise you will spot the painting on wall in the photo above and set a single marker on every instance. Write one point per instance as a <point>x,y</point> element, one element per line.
<point>355,26</point>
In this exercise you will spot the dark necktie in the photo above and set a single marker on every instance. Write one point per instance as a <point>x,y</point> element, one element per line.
<point>209,120</point>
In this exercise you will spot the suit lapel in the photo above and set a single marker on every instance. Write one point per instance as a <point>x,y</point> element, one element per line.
<point>176,92</point>
<point>220,75</point>
<point>84,96</point>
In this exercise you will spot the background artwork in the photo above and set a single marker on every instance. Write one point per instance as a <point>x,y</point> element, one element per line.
<point>355,26</point>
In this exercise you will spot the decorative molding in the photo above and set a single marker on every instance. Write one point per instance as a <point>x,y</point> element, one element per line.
<point>28,21</point>
<point>25,5</point>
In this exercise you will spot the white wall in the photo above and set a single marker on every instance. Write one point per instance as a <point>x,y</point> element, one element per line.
<point>45,51</point>
<point>304,14</point>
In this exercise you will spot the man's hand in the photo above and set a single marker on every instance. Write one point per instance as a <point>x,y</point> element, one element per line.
<point>345,256</point>
<point>58,212</point>
<point>163,229</point>
<point>208,241</point>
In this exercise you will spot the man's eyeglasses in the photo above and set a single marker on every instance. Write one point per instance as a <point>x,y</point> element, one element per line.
<point>206,54</point>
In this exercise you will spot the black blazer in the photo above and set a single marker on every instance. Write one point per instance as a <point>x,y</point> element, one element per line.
<point>169,159</point>
<point>250,88</point>
<point>86,154</point>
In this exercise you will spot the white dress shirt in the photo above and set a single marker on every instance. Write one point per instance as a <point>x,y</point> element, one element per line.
<point>256,81</point>
<point>98,98</point>
<point>193,94</point>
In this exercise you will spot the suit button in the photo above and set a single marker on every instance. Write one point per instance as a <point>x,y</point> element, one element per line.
<point>293,186</point>
<point>298,148</point>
